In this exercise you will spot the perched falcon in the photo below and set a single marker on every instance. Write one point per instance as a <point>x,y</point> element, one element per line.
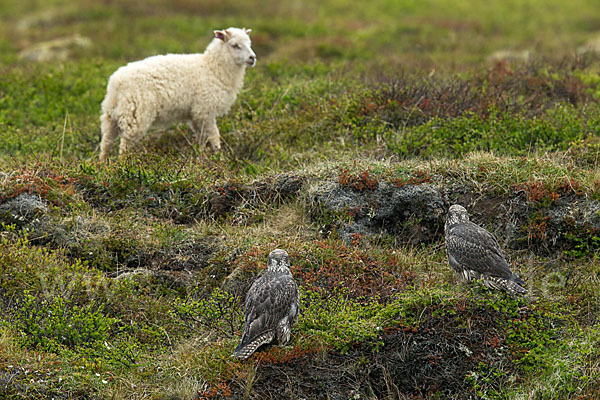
<point>271,306</point>
<point>475,254</point>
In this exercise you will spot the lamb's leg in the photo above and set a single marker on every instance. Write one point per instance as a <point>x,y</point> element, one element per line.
<point>207,129</point>
<point>123,147</point>
<point>110,131</point>
<point>128,138</point>
<point>198,129</point>
<point>132,127</point>
<point>214,139</point>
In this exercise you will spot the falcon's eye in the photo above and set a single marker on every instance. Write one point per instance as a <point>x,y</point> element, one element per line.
<point>236,46</point>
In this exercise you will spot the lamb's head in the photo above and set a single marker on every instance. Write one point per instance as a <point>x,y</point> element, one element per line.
<point>236,43</point>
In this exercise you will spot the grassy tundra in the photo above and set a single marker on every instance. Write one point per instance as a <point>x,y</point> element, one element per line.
<point>127,280</point>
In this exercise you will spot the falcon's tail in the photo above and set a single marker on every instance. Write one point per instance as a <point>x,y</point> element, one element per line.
<point>517,280</point>
<point>515,285</point>
<point>243,350</point>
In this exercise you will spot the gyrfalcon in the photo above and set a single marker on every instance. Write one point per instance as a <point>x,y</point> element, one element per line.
<point>271,306</point>
<point>474,253</point>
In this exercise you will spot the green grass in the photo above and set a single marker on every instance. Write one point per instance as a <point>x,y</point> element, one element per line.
<point>131,285</point>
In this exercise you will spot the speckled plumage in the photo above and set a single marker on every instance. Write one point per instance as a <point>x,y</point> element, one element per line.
<point>271,307</point>
<point>474,253</point>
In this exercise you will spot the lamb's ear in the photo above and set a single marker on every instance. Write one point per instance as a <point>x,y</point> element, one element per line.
<point>220,35</point>
<point>247,31</point>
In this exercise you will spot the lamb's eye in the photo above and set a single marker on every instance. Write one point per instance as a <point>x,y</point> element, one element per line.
<point>236,46</point>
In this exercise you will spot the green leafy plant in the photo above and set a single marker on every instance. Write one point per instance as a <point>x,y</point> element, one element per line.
<point>51,324</point>
<point>219,312</point>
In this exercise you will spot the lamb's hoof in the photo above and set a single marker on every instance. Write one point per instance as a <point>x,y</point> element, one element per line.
<point>215,153</point>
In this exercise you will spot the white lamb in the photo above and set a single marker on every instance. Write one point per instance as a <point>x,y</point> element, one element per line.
<point>167,89</point>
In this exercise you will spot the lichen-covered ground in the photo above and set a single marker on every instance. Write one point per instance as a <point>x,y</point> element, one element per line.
<point>354,133</point>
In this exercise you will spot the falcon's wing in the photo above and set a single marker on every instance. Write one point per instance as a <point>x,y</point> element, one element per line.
<point>269,300</point>
<point>476,249</point>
